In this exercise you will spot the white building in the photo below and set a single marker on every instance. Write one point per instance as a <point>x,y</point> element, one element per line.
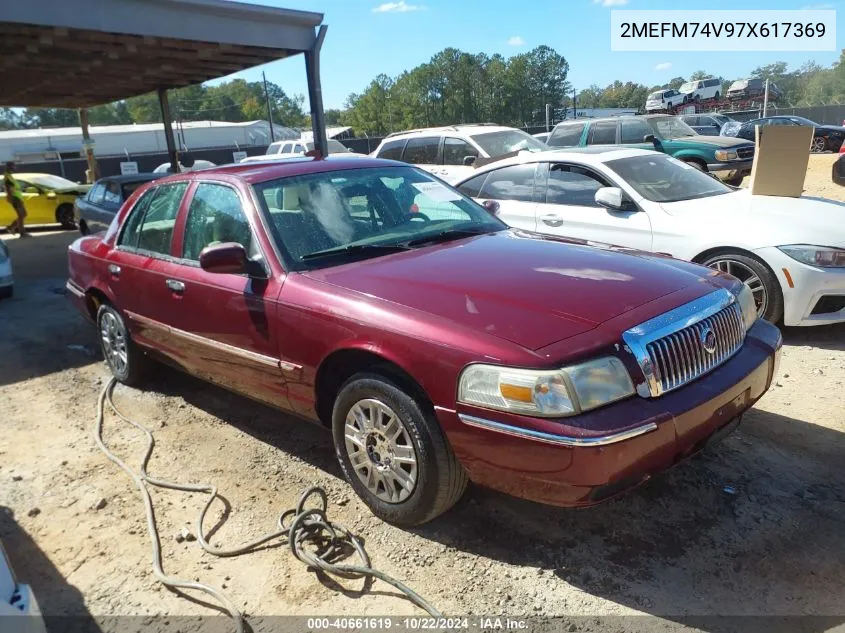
<point>117,140</point>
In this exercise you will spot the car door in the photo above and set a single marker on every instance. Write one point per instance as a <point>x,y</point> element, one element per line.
<point>40,209</point>
<point>633,132</point>
<point>568,208</point>
<point>424,152</point>
<point>603,133</point>
<point>137,266</point>
<point>225,324</point>
<point>91,207</point>
<point>513,188</point>
<point>456,152</point>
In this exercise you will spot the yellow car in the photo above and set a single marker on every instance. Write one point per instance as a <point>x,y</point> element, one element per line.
<point>48,200</point>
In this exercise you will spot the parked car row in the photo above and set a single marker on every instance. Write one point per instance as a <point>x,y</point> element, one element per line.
<point>438,344</point>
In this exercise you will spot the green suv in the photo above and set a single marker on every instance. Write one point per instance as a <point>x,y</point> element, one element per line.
<point>727,157</point>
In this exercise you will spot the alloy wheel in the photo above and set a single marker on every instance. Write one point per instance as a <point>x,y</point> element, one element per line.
<point>747,276</point>
<point>818,145</point>
<point>380,450</point>
<point>114,342</point>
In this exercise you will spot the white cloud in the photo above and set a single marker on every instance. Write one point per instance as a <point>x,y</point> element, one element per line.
<point>819,6</point>
<point>397,7</point>
<point>611,3</point>
<point>663,66</point>
<point>516,40</point>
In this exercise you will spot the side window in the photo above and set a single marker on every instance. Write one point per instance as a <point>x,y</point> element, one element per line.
<point>472,187</point>
<point>299,148</point>
<point>566,135</point>
<point>215,216</point>
<point>602,133</point>
<point>510,183</point>
<point>156,230</point>
<point>455,150</point>
<point>95,194</point>
<point>274,148</point>
<point>129,235</point>
<point>572,186</point>
<point>112,194</point>
<point>286,148</point>
<point>422,151</point>
<point>635,130</point>
<point>392,150</point>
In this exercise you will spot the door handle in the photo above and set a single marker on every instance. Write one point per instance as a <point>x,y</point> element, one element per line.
<point>176,286</point>
<point>114,269</point>
<point>552,219</point>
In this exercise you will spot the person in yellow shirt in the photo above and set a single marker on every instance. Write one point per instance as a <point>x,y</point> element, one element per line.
<point>15,198</point>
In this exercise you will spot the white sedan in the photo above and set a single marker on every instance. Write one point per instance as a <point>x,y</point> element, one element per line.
<point>789,251</point>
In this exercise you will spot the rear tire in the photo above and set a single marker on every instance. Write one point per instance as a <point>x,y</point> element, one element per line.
<point>83,228</point>
<point>375,424</point>
<point>125,360</point>
<point>818,145</point>
<point>757,276</point>
<point>64,216</point>
<point>717,95</point>
<point>7,292</point>
<point>736,181</point>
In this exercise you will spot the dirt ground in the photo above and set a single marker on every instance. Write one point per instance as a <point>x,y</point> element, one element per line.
<point>754,526</point>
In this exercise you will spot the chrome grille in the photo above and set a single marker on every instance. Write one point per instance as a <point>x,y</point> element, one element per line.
<point>675,348</point>
<point>681,357</point>
<point>745,152</point>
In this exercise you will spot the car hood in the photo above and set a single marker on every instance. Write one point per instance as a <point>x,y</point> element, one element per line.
<point>529,289</point>
<point>832,128</point>
<point>768,220</point>
<point>717,141</point>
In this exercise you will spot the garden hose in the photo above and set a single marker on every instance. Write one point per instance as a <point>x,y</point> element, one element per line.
<point>301,526</point>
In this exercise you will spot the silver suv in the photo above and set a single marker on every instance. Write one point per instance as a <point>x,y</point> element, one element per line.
<point>450,152</point>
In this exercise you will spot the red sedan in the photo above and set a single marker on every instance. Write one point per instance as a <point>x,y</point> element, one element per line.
<point>437,344</point>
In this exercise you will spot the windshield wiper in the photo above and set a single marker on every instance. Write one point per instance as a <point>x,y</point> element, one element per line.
<point>357,249</point>
<point>444,236</point>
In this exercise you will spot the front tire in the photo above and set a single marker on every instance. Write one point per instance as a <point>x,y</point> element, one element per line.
<point>125,360</point>
<point>64,216</point>
<point>694,163</point>
<point>819,145</point>
<point>393,453</point>
<point>759,279</point>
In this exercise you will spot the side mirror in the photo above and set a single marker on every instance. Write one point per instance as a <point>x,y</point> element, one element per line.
<point>469,161</point>
<point>612,198</point>
<point>492,207</point>
<point>226,258</point>
<point>51,194</point>
<point>31,189</point>
<point>648,138</point>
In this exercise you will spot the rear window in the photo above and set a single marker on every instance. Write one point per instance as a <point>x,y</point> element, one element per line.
<point>392,150</point>
<point>602,133</point>
<point>566,135</point>
<point>422,151</point>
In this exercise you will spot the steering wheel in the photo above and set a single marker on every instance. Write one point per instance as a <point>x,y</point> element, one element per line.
<point>419,215</point>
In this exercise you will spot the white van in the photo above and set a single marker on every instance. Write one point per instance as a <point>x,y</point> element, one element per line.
<point>709,88</point>
<point>662,100</point>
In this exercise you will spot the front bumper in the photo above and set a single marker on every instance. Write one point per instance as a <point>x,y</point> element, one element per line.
<point>741,166</point>
<point>614,448</point>
<point>808,285</point>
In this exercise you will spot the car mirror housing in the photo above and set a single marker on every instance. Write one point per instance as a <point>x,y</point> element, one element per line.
<point>469,160</point>
<point>492,207</point>
<point>648,138</point>
<point>226,258</point>
<point>613,198</point>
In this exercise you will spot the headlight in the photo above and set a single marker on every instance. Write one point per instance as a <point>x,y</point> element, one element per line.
<point>745,299</point>
<point>821,256</point>
<point>553,393</point>
<point>725,155</point>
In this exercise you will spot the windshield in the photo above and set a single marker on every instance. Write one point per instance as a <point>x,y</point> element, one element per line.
<point>506,141</point>
<point>656,95</point>
<point>688,87</point>
<point>328,218</point>
<point>48,181</point>
<point>802,121</point>
<point>661,178</point>
<point>669,127</point>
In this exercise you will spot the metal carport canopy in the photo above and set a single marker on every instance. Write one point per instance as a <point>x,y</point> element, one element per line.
<point>82,53</point>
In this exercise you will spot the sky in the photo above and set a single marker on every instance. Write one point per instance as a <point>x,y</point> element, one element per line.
<point>369,37</point>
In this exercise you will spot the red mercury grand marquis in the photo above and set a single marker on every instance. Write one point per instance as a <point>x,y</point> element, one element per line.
<point>439,345</point>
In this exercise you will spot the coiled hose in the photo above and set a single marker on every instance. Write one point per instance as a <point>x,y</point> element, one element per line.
<point>300,525</point>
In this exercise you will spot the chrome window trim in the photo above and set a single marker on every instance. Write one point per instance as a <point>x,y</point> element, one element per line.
<point>553,438</point>
<point>680,318</point>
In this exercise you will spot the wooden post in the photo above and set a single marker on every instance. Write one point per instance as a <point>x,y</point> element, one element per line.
<point>87,147</point>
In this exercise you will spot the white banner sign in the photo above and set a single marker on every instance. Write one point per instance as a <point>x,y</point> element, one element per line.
<point>129,167</point>
<point>238,156</point>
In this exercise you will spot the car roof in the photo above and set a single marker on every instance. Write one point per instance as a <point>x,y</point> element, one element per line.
<point>264,171</point>
<point>586,155</point>
<point>617,118</point>
<point>467,128</point>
